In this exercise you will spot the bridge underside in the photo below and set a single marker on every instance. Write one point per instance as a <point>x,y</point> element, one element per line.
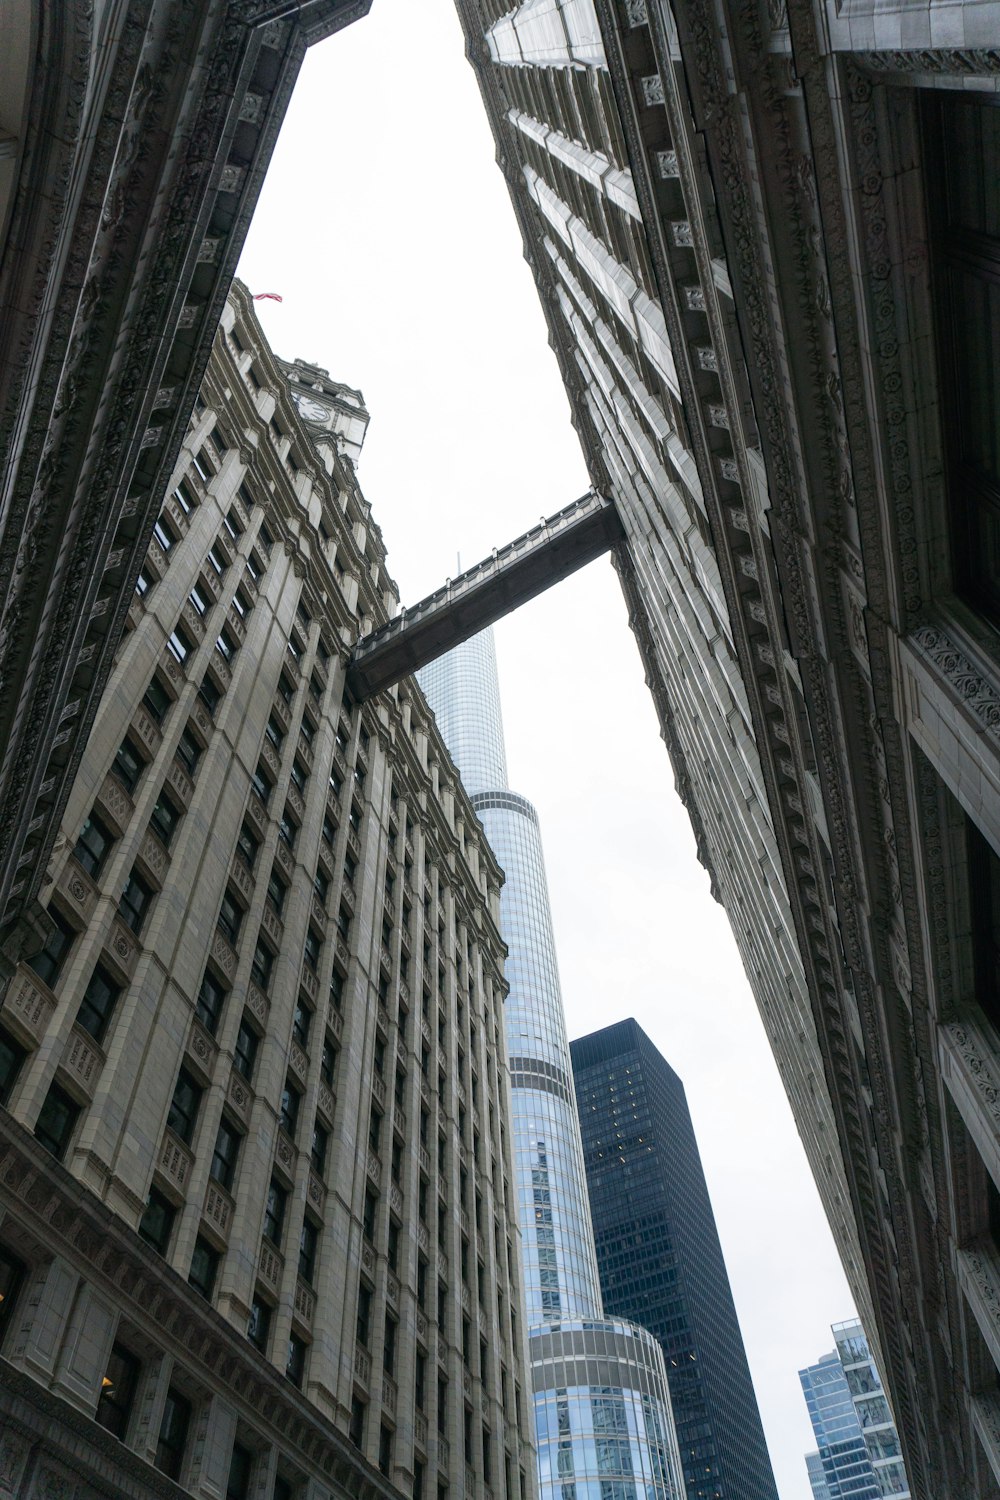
<point>467,604</point>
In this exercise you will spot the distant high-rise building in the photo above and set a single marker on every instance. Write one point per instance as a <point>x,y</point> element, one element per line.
<point>659,1256</point>
<point>602,1412</point>
<point>859,1454</point>
<point>842,1453</point>
<point>258,1233</point>
<point>871,1407</point>
<point>817,1479</point>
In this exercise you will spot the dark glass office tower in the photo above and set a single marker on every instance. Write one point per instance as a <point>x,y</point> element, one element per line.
<point>659,1256</point>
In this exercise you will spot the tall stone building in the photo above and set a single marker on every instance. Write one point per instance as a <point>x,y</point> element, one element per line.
<point>259,1234</point>
<point>766,242</point>
<point>603,1423</point>
<point>134,138</point>
<point>659,1255</point>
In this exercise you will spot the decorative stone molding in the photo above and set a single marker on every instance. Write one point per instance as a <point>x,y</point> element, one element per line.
<point>28,1006</point>
<point>964,678</point>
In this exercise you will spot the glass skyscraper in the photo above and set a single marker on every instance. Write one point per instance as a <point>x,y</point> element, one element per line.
<point>602,1413</point>
<point>859,1455</point>
<point>659,1256</point>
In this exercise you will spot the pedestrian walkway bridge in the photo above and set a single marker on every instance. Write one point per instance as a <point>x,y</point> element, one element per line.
<point>465,605</point>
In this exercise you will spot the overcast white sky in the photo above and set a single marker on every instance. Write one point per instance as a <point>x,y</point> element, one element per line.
<point>387,228</point>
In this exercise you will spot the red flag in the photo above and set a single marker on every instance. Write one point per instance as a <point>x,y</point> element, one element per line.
<point>271,296</point>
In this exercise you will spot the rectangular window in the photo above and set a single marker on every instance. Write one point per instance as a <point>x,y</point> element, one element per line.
<point>173,1437</point>
<point>307,729</point>
<point>295,1367</point>
<point>328,1062</point>
<point>211,999</point>
<point>144,582</point>
<point>308,1244</point>
<point>226,1154</point>
<point>319,1148</point>
<point>274,1213</point>
<point>241,604</point>
<point>128,764</point>
<point>364,1320</point>
<point>216,561</point>
<point>248,846</point>
<point>92,846</point>
<point>385,1449</point>
<point>56,1121</point>
<point>262,784</point>
<point>262,966</point>
<point>157,1221</point>
<point>156,700</point>
<point>179,644</point>
<point>259,1324</point>
<point>134,902</point>
<point>313,945</point>
<point>299,775</point>
<point>230,918</point>
<point>165,534</point>
<point>389,1346</point>
<point>226,646</point>
<point>48,963</point>
<point>233,525</point>
<point>288,829</point>
<point>302,1022</point>
<point>204,1268</point>
<point>199,600</point>
<point>245,1050</point>
<point>164,818</point>
<point>183,1114</point>
<point>329,831</point>
<point>12,1056</point>
<point>277,890</point>
<point>321,885</point>
<point>118,1388</point>
<point>356,1427</point>
<point>286,689</point>
<point>210,693</point>
<point>189,751</point>
<point>99,1000</point>
<point>291,1099</point>
<point>202,468</point>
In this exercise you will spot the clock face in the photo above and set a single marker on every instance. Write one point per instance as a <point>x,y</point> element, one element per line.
<point>312,411</point>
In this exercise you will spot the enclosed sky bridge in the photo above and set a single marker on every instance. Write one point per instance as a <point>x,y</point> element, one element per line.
<point>465,605</point>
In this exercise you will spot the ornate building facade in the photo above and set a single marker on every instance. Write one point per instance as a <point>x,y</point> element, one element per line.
<point>766,241</point>
<point>259,1233</point>
<point>133,142</point>
<point>602,1413</point>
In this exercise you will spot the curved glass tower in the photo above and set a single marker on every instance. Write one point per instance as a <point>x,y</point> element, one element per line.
<point>602,1413</point>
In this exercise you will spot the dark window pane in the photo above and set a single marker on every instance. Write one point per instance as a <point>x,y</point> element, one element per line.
<point>12,1274</point>
<point>245,1051</point>
<point>226,1153</point>
<point>93,844</point>
<point>211,999</point>
<point>99,1000</point>
<point>189,751</point>
<point>240,1468</point>
<point>56,1121</point>
<point>157,700</point>
<point>204,1267</point>
<point>274,1212</point>
<point>134,902</point>
<point>173,1434</point>
<point>114,1405</point>
<point>164,818</point>
<point>157,1221</point>
<point>259,1324</point>
<point>184,1106</point>
<point>128,764</point>
<point>12,1056</point>
<point>49,962</point>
